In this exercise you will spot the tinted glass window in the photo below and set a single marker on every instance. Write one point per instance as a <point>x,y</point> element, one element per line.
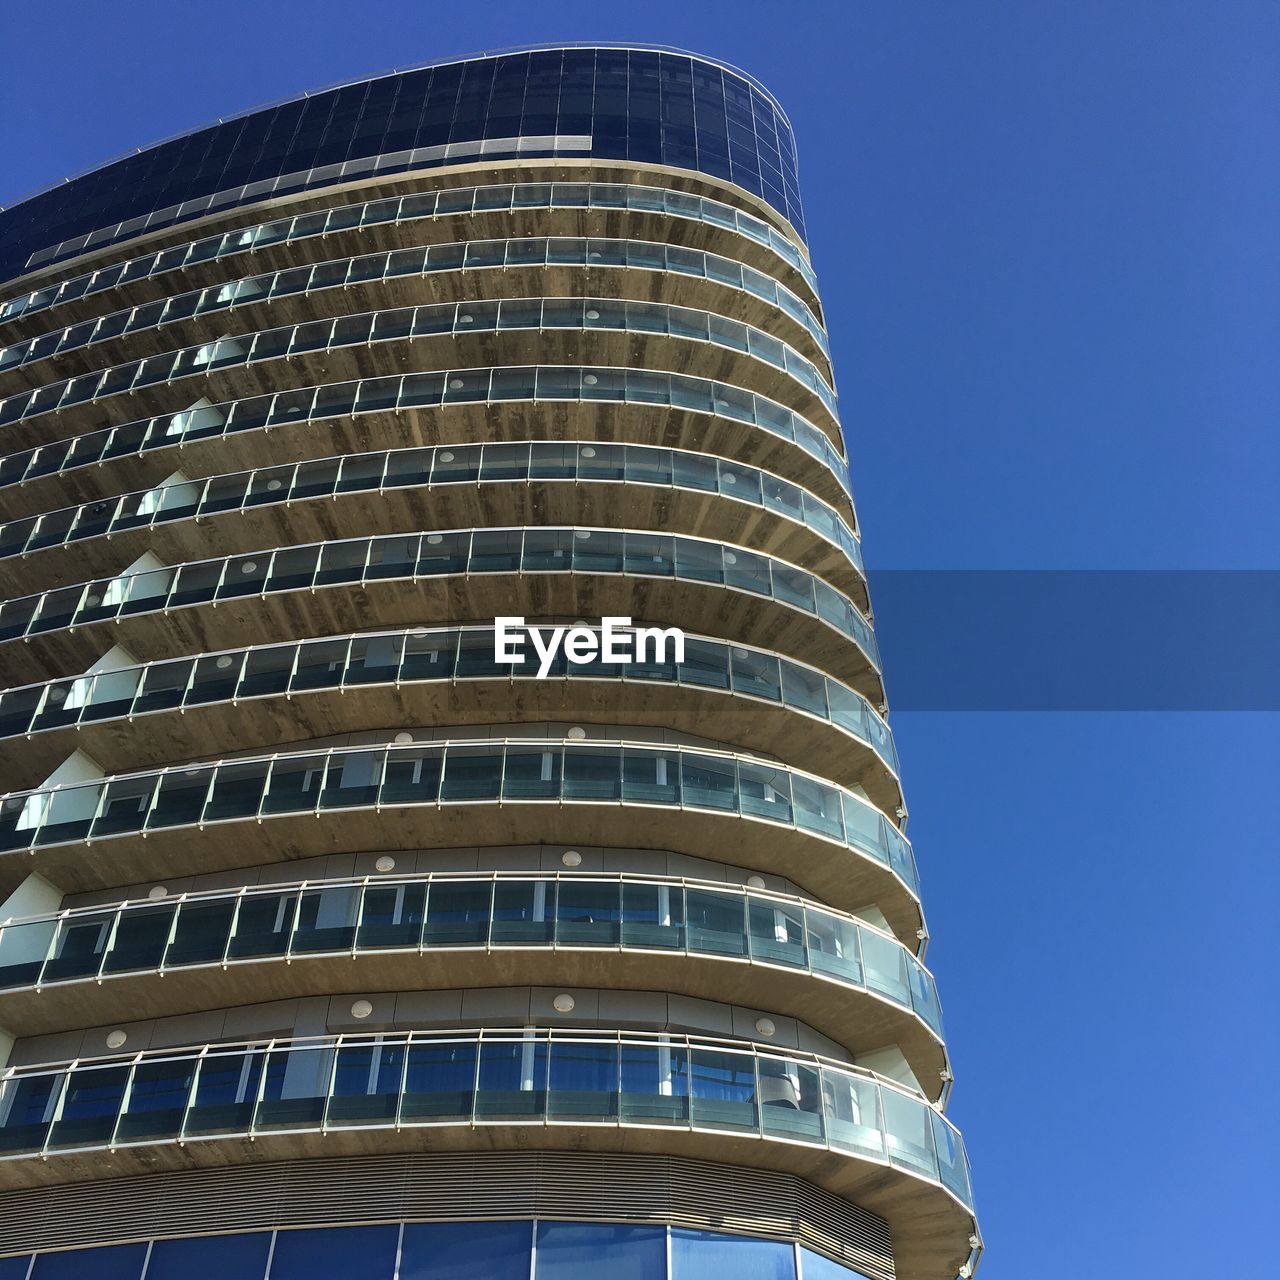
<point>354,1253</point>
<point>577,1251</point>
<point>211,1258</point>
<point>626,104</point>
<point>116,1262</point>
<point>696,1254</point>
<point>813,1266</point>
<point>466,1251</point>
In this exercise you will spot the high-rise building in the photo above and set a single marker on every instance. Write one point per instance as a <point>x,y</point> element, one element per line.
<point>332,943</point>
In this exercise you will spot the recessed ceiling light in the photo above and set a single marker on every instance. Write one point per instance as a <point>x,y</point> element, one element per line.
<point>361,1009</point>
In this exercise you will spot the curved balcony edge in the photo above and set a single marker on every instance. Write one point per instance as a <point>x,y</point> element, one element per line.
<point>491,789</point>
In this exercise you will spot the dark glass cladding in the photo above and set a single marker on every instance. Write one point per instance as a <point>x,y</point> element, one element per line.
<point>632,105</point>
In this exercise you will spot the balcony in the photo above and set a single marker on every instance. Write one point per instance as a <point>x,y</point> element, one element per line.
<point>459,575</point>
<point>635,485</point>
<point>450,206</point>
<point>846,1130</point>
<point>439,931</point>
<point>453,406</point>
<point>186,708</point>
<point>243,812</point>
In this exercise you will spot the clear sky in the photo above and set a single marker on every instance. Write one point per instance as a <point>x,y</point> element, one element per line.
<point>1046,235</point>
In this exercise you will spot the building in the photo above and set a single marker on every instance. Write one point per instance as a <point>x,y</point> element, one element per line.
<point>328,940</point>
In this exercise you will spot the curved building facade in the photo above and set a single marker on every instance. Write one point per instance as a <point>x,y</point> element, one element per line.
<point>334,940</point>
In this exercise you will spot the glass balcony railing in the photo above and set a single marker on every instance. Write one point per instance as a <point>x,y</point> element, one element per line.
<point>573,383</point>
<point>434,912</point>
<point>470,552</point>
<point>454,772</point>
<point>450,654</point>
<point>403,1079</point>
<point>373,213</point>
<point>540,461</point>
<point>587,315</point>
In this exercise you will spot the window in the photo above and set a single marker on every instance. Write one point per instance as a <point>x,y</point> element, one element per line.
<point>813,1266</point>
<point>354,1253</point>
<point>116,1262</point>
<point>695,1254</point>
<point>465,1251</point>
<point>575,1251</point>
<point>210,1258</point>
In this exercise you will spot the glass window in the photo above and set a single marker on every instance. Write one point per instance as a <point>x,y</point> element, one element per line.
<point>466,1251</point>
<point>651,777</point>
<point>295,1087</point>
<point>791,1100</point>
<point>951,1157</point>
<point>115,1262</point>
<point>366,1084</point>
<point>141,935</point>
<point>724,1089</point>
<point>908,1133</point>
<point>512,1079</point>
<point>818,807</point>
<point>851,1108</point>
<point>833,946</point>
<point>237,791</point>
<point>391,915</point>
<point>592,773</point>
<point>813,1266</point>
<point>201,933</point>
<point>440,1081</point>
<point>472,773</point>
<point>886,967</point>
<point>354,1253</point>
<point>584,1080</point>
<point>579,1251</point>
<point>158,1095</point>
<point>23,948</point>
<point>716,922</point>
<point>352,779</point>
<point>79,947</point>
<point>696,1254</point>
<point>524,911</point>
<point>709,782</point>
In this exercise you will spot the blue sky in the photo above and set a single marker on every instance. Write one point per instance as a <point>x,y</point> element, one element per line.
<point>1047,241</point>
